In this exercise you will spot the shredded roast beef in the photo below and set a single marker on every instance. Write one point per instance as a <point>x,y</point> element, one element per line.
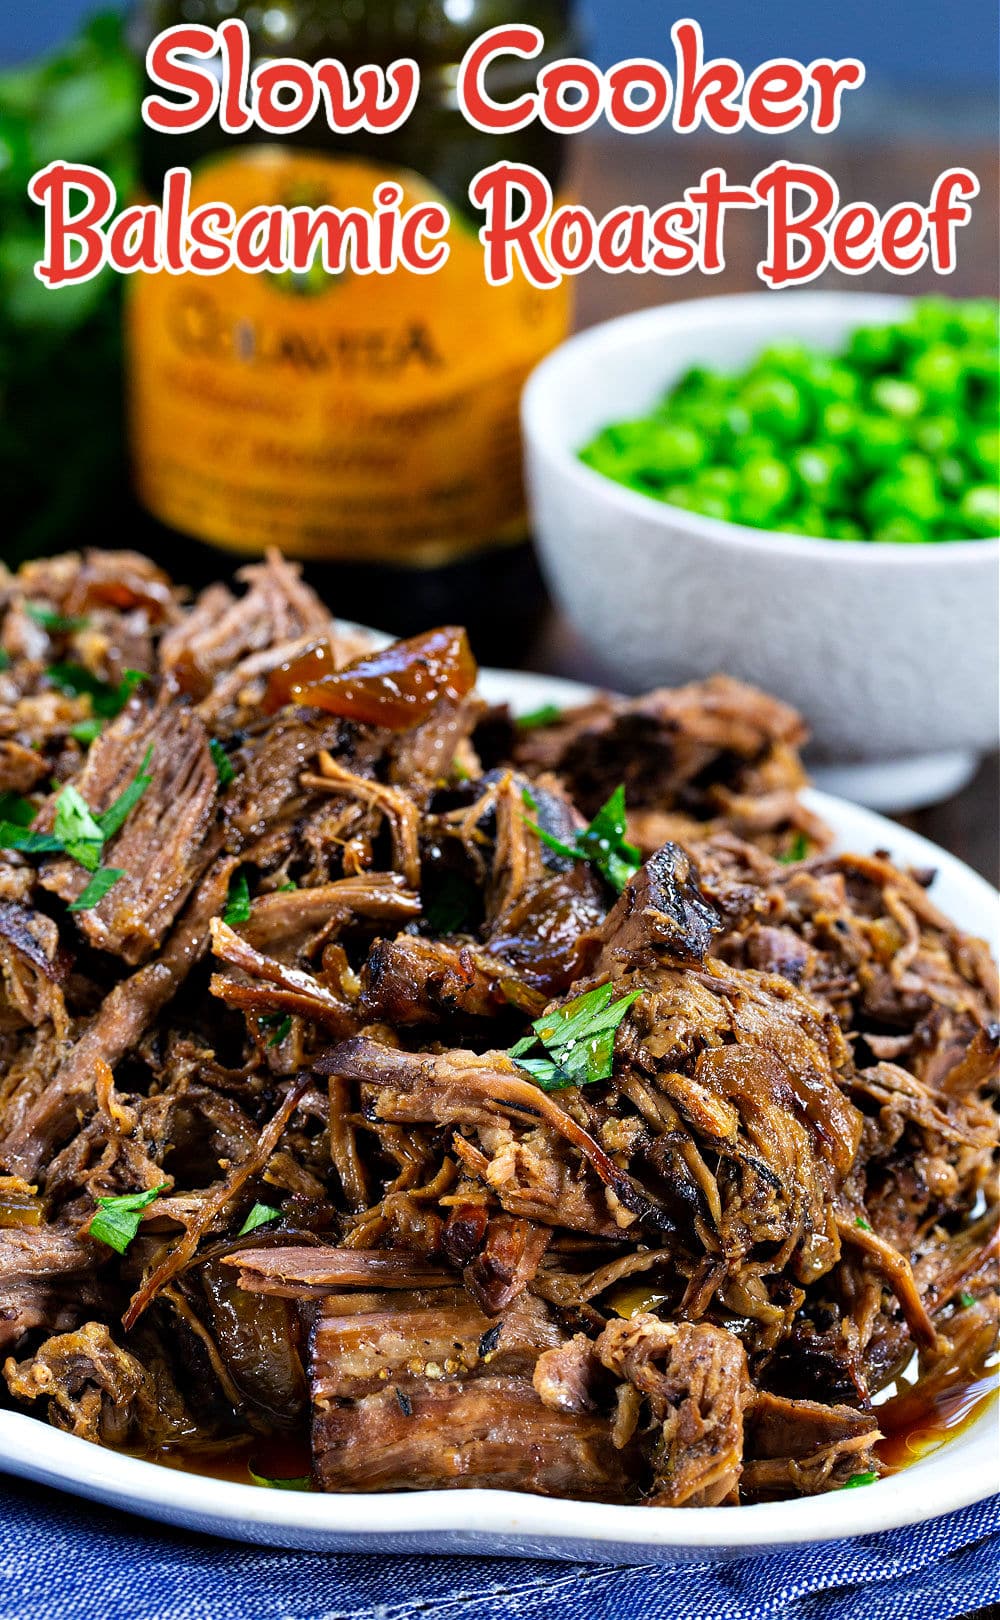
<point>711,1251</point>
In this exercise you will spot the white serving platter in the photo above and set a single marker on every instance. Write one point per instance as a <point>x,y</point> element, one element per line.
<point>964,1470</point>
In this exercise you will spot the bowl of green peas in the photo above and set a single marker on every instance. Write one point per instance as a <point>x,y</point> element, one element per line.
<point>801,489</point>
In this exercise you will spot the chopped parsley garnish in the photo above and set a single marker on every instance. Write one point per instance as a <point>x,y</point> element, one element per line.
<point>16,811</point>
<point>859,1479</point>
<point>48,619</point>
<point>281,1025</point>
<point>797,850</point>
<point>223,764</point>
<point>547,715</point>
<point>106,700</point>
<point>965,1299</point>
<point>76,832</point>
<point>102,882</point>
<point>286,888</point>
<point>75,829</point>
<point>118,1219</point>
<point>579,1039</point>
<point>603,843</point>
<point>864,1225</point>
<point>86,731</point>
<point>13,836</point>
<point>4,659</point>
<point>260,1215</point>
<point>238,905</point>
<point>301,1482</point>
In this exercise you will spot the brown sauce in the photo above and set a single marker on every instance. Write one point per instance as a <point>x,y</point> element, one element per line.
<point>922,1419</point>
<point>915,1423</point>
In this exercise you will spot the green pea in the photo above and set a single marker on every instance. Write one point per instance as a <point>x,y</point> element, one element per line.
<point>844,529</point>
<point>894,438</point>
<point>936,435</point>
<point>776,405</point>
<point>766,485</point>
<point>879,441</point>
<point>952,474</point>
<point>812,521</point>
<point>874,348</point>
<point>667,449</point>
<point>709,503</point>
<point>724,480</point>
<point>938,371</point>
<point>838,420</point>
<point>900,531</point>
<point>897,397</point>
<point>984,448</point>
<point>979,510</point>
<point>822,469</point>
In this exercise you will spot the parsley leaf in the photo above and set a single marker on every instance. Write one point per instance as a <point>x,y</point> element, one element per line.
<point>16,811</point>
<point>103,880</point>
<point>114,817</point>
<point>858,1479</point>
<point>48,619</point>
<point>4,659</point>
<point>77,831</point>
<point>547,715</point>
<point>965,1299</point>
<point>603,843</point>
<point>260,1215</point>
<point>301,1482</point>
<point>281,1026</point>
<point>237,909</point>
<point>864,1225</point>
<point>13,836</point>
<point>118,1219</point>
<point>797,850</point>
<point>86,731</point>
<point>106,700</point>
<point>579,1039</point>
<point>223,764</point>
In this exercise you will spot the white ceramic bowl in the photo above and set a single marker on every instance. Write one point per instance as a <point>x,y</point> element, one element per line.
<point>890,651</point>
<point>506,1524</point>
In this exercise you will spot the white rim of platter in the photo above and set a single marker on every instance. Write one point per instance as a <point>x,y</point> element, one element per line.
<point>962,1471</point>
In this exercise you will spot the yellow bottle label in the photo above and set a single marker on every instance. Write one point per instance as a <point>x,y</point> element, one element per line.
<point>346,417</point>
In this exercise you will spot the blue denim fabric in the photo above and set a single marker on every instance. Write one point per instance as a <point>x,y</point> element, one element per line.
<point>61,1559</point>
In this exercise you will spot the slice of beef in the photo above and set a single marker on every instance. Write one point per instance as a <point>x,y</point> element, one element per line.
<point>694,1379</point>
<point>488,1432</point>
<point>93,1388</point>
<point>410,981</point>
<point>167,840</point>
<point>661,910</point>
<point>292,923</point>
<point>31,1135</point>
<point>671,747</point>
<point>307,1273</point>
<point>270,987</point>
<point>48,1279</point>
<point>34,966</point>
<point>425,1399</point>
<point>221,630</point>
<point>801,1447</point>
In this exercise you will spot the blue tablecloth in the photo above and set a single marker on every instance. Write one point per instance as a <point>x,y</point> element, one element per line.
<point>61,1559</point>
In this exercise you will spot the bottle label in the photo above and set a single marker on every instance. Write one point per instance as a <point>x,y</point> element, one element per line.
<point>362,418</point>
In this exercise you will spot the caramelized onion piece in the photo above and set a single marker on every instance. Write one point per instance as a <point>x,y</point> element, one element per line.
<point>397,687</point>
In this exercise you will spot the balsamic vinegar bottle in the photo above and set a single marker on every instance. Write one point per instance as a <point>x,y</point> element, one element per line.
<point>365,424</point>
